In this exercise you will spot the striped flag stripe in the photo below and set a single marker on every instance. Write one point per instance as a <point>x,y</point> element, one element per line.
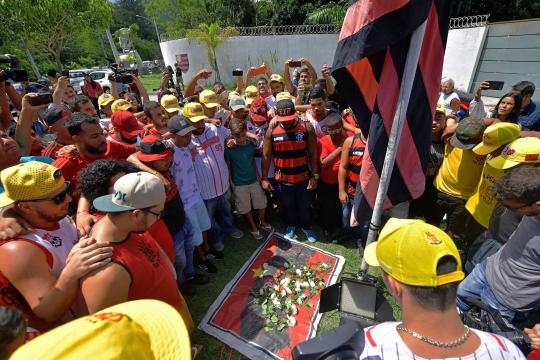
<point>368,66</point>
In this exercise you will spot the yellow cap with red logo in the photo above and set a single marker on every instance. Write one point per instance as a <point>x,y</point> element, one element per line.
<point>170,103</point>
<point>409,251</point>
<point>194,112</point>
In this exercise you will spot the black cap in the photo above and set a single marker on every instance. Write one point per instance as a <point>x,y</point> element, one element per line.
<point>180,125</point>
<point>55,113</point>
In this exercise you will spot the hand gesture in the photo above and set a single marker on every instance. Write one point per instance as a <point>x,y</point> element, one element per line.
<point>84,221</point>
<point>484,85</point>
<point>266,185</point>
<point>87,256</point>
<point>534,335</point>
<point>231,143</point>
<point>325,71</point>
<point>343,197</point>
<point>287,62</point>
<point>203,73</point>
<point>312,184</point>
<point>69,150</point>
<point>301,88</point>
<point>12,225</point>
<point>63,82</point>
<point>27,106</point>
<point>304,61</point>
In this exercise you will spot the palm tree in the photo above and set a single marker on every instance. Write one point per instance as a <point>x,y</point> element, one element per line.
<point>211,35</point>
<point>331,13</point>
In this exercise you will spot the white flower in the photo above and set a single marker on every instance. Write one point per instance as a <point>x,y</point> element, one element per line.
<point>283,293</point>
<point>276,287</point>
<point>261,292</point>
<point>324,265</point>
<point>275,302</point>
<point>297,286</point>
<point>311,283</point>
<point>298,272</point>
<point>288,290</point>
<point>291,321</point>
<point>294,309</point>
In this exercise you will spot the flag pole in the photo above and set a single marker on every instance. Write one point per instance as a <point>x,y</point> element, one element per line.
<point>411,64</point>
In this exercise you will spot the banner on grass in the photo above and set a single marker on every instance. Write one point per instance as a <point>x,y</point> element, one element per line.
<point>236,320</point>
<point>368,66</point>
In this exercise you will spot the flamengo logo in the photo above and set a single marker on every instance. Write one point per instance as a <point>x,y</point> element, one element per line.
<point>299,136</point>
<point>55,241</point>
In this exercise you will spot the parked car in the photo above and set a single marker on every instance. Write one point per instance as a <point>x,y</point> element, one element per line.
<point>102,77</point>
<point>75,78</point>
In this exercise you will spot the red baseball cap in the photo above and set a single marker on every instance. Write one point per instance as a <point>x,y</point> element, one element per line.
<point>153,148</point>
<point>125,121</point>
<point>259,110</point>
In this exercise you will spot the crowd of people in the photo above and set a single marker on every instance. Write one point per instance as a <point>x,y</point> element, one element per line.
<point>112,197</point>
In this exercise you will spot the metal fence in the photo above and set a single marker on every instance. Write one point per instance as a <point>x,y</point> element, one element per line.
<point>455,23</point>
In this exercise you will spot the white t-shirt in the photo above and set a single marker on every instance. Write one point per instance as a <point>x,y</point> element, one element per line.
<point>446,99</point>
<point>320,127</point>
<point>384,342</point>
<point>208,153</point>
<point>184,176</point>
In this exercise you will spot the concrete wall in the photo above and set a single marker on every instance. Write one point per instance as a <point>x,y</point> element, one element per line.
<point>463,49</point>
<point>511,53</point>
<point>246,51</point>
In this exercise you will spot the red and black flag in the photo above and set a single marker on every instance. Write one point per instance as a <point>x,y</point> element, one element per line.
<point>369,65</point>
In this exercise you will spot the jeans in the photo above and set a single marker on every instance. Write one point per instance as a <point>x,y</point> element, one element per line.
<point>221,204</point>
<point>296,201</point>
<point>184,246</point>
<point>360,231</point>
<point>475,286</point>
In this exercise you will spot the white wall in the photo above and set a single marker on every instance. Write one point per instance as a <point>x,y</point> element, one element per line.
<point>462,53</point>
<point>463,50</point>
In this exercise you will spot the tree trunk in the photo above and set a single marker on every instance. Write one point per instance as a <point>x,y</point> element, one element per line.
<point>30,58</point>
<point>217,77</point>
<point>56,54</point>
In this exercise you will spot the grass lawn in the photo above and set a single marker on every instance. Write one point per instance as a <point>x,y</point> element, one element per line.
<point>236,253</point>
<point>151,82</point>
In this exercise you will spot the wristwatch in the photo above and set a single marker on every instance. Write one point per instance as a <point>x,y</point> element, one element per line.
<point>316,176</point>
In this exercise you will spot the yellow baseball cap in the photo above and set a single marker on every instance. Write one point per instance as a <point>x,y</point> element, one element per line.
<point>141,329</point>
<point>170,103</point>
<point>409,251</point>
<point>520,151</point>
<point>276,78</point>
<point>29,181</point>
<point>208,98</point>
<point>285,95</point>
<point>120,104</point>
<point>496,136</point>
<point>251,94</point>
<point>105,99</point>
<point>440,108</point>
<point>194,112</point>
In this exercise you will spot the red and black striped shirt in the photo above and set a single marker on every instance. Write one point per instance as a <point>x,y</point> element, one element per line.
<point>356,155</point>
<point>290,153</point>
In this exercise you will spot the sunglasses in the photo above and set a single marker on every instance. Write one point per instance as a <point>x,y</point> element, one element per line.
<point>158,215</point>
<point>59,198</point>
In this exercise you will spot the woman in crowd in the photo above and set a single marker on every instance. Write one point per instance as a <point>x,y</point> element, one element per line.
<point>92,89</point>
<point>506,110</point>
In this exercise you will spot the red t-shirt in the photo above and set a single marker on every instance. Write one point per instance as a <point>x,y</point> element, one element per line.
<point>349,119</point>
<point>51,149</point>
<point>329,174</point>
<point>151,275</point>
<point>71,165</point>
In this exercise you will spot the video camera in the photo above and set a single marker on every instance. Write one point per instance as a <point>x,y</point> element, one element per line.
<point>12,71</point>
<point>123,76</point>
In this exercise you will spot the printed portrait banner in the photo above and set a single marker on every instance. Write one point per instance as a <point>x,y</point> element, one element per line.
<point>183,62</point>
<point>236,319</point>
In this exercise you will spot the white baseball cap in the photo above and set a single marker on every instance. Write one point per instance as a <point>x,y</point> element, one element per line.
<point>138,190</point>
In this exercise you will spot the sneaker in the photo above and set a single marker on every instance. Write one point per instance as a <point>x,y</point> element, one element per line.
<point>199,279</point>
<point>188,289</point>
<point>289,232</point>
<point>310,235</point>
<point>218,246</point>
<point>256,235</point>
<point>215,255</point>
<point>207,266</point>
<point>237,234</point>
<point>266,227</point>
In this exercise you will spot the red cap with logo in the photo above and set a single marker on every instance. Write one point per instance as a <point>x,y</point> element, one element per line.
<point>125,121</point>
<point>285,110</point>
<point>259,110</point>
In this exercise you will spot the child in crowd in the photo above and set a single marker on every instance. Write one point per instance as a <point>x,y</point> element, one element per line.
<point>157,115</point>
<point>243,178</point>
<point>330,147</point>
